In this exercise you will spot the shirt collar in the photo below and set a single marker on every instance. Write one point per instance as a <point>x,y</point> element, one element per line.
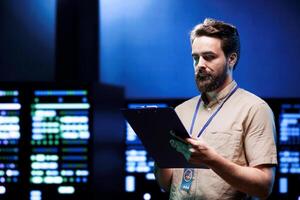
<point>219,96</point>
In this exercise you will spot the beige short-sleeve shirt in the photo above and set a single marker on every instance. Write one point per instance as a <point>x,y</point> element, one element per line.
<point>243,132</point>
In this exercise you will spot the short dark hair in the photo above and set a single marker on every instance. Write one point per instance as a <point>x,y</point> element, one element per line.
<point>230,39</point>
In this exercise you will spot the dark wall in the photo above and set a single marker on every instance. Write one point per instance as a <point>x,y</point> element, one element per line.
<point>27,40</point>
<point>49,40</point>
<point>77,41</point>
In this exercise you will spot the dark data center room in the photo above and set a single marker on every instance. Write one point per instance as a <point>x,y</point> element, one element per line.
<point>149,99</point>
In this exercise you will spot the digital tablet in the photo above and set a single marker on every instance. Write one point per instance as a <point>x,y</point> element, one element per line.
<point>155,127</point>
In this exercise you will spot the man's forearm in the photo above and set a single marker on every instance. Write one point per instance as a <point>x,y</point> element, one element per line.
<point>163,177</point>
<point>251,180</point>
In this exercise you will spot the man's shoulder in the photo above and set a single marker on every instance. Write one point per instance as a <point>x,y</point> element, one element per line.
<point>250,100</point>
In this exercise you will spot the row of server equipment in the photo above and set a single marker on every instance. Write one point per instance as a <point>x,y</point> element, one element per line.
<point>45,141</point>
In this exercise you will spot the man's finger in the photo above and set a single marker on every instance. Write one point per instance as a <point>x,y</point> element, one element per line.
<point>198,144</point>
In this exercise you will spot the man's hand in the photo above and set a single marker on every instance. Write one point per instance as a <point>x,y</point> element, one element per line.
<point>195,151</point>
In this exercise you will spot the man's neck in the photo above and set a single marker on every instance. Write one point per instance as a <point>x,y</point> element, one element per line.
<point>211,95</point>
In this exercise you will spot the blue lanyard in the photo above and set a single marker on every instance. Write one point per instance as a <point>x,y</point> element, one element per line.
<point>212,116</point>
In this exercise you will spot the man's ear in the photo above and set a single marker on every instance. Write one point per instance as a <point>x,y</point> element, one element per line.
<point>232,60</point>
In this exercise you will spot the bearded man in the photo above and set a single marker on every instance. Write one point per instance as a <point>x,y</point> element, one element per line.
<point>232,130</point>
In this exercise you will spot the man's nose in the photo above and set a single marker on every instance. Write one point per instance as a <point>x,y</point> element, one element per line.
<point>201,63</point>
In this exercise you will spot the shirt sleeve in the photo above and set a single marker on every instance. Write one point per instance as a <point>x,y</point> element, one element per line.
<point>260,136</point>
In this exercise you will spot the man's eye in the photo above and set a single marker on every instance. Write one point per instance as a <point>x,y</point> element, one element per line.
<point>209,57</point>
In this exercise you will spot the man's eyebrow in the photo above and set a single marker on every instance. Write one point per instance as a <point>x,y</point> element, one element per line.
<point>204,53</point>
<point>208,52</point>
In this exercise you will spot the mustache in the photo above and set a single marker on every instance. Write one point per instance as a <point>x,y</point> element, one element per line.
<point>203,74</point>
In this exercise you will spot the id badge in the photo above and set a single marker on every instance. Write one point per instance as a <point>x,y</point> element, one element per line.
<point>187,179</point>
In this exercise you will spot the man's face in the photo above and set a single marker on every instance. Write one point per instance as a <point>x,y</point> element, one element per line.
<point>210,63</point>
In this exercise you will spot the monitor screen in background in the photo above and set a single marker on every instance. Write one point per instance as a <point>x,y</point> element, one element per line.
<point>60,144</point>
<point>10,135</point>
<point>289,150</point>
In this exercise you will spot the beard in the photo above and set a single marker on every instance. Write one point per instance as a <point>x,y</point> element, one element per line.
<point>207,82</point>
